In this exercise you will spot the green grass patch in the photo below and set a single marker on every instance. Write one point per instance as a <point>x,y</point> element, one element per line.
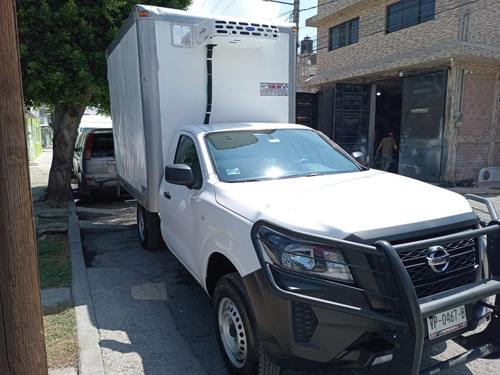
<point>54,267</point>
<point>60,335</point>
<point>54,262</point>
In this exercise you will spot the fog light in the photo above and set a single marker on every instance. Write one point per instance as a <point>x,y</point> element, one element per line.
<point>382,359</point>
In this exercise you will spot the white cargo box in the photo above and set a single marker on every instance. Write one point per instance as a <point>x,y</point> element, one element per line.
<point>158,79</point>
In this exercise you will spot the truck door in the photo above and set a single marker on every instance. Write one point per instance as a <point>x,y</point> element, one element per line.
<point>179,207</point>
<point>422,124</point>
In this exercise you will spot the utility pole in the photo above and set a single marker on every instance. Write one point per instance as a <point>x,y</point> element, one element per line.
<point>296,12</point>
<point>296,7</point>
<point>22,342</point>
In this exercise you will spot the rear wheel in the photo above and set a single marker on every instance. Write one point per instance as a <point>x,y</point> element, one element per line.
<point>148,227</point>
<point>236,329</point>
<point>83,194</point>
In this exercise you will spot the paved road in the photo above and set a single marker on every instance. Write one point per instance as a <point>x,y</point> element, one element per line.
<point>152,316</point>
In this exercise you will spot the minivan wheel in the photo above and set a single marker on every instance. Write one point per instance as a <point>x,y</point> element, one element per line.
<point>83,194</point>
<point>148,228</point>
<point>236,329</point>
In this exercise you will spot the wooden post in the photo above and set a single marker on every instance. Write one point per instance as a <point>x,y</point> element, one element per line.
<point>22,342</point>
<point>452,122</point>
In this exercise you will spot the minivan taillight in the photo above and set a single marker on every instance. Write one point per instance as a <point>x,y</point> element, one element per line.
<point>87,153</point>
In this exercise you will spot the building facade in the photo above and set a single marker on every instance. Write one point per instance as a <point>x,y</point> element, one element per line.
<point>38,132</point>
<point>427,70</point>
<point>33,136</point>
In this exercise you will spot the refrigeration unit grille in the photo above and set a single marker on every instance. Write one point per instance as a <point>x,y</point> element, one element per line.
<point>236,33</point>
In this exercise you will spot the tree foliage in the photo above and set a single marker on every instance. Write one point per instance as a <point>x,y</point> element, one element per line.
<point>63,47</point>
<point>63,61</point>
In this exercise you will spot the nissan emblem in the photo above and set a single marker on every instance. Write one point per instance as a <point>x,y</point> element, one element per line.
<point>438,258</point>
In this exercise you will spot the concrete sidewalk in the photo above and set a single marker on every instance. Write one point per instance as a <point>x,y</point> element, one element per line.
<point>90,360</point>
<point>483,188</point>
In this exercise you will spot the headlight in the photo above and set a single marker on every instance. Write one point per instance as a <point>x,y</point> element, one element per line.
<point>304,256</point>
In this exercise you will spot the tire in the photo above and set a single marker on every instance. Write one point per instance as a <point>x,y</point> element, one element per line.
<point>234,317</point>
<point>83,195</point>
<point>148,228</point>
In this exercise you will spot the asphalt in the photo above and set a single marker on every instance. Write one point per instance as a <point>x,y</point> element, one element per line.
<point>90,357</point>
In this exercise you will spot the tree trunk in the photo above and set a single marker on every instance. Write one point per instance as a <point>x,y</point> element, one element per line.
<point>67,118</point>
<point>22,342</point>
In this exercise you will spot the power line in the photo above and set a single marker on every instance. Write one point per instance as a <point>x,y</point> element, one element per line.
<point>224,11</point>
<point>216,6</point>
<point>201,6</point>
<point>314,7</point>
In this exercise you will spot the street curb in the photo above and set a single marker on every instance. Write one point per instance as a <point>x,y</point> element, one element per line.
<point>90,358</point>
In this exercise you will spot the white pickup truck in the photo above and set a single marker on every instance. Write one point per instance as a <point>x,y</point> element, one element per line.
<point>312,260</point>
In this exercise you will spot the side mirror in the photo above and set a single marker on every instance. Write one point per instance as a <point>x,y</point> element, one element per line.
<point>359,157</point>
<point>179,174</point>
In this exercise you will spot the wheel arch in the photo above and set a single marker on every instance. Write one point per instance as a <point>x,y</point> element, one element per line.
<point>218,266</point>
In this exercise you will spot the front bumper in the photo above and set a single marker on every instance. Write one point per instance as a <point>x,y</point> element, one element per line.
<point>308,323</point>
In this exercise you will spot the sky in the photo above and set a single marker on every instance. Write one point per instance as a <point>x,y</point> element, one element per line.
<point>262,10</point>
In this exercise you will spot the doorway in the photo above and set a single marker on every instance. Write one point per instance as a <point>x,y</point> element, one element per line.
<point>413,109</point>
<point>388,102</point>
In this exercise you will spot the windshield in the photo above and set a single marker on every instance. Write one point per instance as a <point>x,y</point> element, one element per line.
<point>269,154</point>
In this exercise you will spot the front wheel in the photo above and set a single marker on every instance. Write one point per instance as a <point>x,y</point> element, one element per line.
<point>236,329</point>
<point>148,227</point>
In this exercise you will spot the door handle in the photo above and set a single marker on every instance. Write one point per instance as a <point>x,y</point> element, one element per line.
<point>167,195</point>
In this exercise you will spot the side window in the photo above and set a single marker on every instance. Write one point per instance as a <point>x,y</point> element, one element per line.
<point>186,154</point>
<point>79,143</point>
<point>407,13</point>
<point>344,34</point>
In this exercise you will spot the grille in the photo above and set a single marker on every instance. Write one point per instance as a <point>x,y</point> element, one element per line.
<point>461,270</point>
<point>246,29</point>
<point>304,321</point>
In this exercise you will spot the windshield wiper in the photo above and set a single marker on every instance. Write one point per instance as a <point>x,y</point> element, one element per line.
<point>282,177</point>
<point>256,179</point>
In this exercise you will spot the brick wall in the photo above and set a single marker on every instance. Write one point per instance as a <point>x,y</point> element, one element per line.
<point>471,157</point>
<point>477,143</point>
<point>433,41</point>
<point>484,23</point>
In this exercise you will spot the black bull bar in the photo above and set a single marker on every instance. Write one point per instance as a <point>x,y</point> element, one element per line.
<point>411,334</point>
<point>409,313</point>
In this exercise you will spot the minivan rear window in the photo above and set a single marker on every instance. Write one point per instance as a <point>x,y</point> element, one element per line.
<point>102,145</point>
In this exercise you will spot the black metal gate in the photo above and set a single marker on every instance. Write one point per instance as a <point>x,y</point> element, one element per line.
<point>422,124</point>
<point>306,109</point>
<point>351,116</point>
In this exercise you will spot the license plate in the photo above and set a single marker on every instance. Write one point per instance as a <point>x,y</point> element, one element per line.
<point>446,322</point>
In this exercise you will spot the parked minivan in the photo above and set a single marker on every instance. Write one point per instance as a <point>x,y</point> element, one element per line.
<point>94,162</point>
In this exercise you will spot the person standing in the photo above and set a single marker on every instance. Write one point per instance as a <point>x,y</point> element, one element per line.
<point>388,146</point>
